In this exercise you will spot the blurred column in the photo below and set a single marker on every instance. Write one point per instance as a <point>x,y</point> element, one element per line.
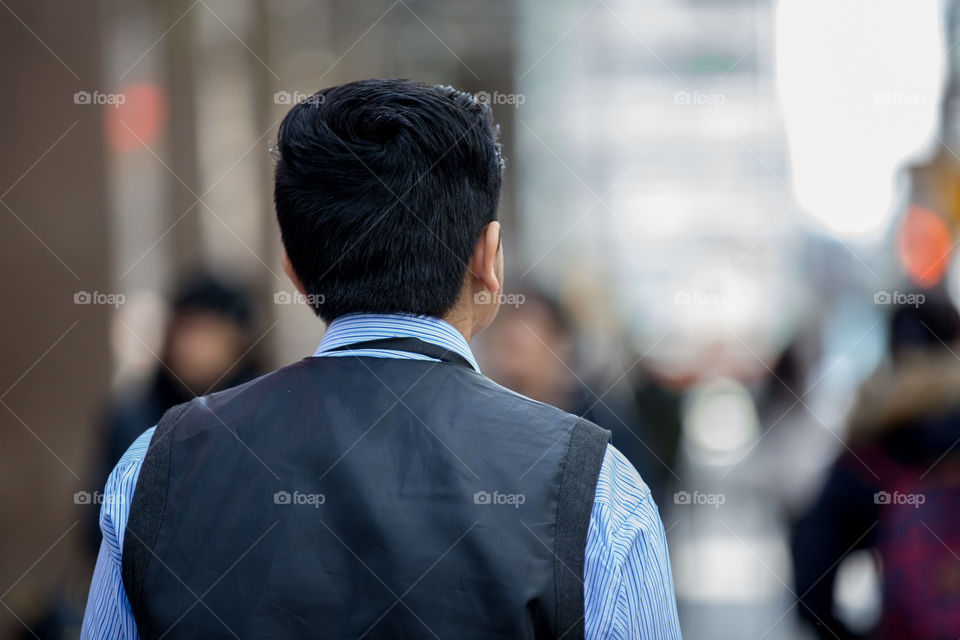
<point>180,62</point>
<point>55,243</point>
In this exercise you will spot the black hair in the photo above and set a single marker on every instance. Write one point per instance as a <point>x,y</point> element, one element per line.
<point>206,292</point>
<point>382,189</point>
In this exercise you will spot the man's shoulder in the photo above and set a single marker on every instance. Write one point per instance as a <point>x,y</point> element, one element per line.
<point>511,400</point>
<point>252,391</point>
<point>118,492</point>
<point>624,509</point>
<point>136,452</point>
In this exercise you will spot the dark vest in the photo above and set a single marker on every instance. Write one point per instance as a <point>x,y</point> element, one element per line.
<point>347,497</point>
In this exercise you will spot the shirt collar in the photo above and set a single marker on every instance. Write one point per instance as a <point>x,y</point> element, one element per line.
<point>361,327</point>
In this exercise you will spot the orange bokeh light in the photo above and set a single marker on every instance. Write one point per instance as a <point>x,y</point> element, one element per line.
<point>924,243</point>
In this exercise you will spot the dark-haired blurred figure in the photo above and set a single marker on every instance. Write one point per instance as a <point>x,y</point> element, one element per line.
<point>205,350</point>
<point>532,349</point>
<point>895,489</point>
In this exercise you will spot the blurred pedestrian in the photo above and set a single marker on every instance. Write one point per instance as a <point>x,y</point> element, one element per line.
<point>206,349</point>
<point>533,348</point>
<point>895,489</point>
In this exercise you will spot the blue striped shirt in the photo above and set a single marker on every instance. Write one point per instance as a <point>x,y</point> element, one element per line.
<point>628,586</point>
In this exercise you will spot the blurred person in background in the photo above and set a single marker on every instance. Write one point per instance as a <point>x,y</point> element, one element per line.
<point>207,348</point>
<point>895,489</point>
<point>654,438</point>
<point>533,349</point>
<point>383,485</point>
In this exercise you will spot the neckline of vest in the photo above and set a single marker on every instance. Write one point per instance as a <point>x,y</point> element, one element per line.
<point>409,345</point>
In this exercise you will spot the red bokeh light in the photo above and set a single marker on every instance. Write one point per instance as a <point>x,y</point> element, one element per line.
<point>138,120</point>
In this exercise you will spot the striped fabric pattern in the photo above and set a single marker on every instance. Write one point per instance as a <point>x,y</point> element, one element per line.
<point>628,585</point>
<point>108,613</point>
<point>361,327</point>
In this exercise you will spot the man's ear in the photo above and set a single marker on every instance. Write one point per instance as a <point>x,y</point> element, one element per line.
<point>288,269</point>
<point>483,263</point>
